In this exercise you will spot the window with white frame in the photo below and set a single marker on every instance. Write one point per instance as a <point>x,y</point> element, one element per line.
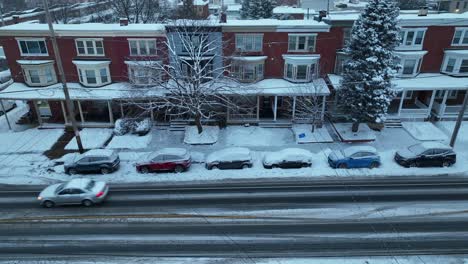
<point>300,69</point>
<point>248,71</point>
<point>33,47</point>
<point>452,94</point>
<point>341,59</point>
<point>456,63</point>
<point>408,95</point>
<point>301,42</point>
<point>141,75</point>
<point>142,47</point>
<point>39,75</point>
<point>92,73</point>
<point>249,42</point>
<point>460,37</point>
<point>89,47</point>
<point>346,36</point>
<point>410,62</point>
<point>412,38</point>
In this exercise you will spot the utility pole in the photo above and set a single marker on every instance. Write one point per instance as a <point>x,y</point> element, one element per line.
<point>68,102</point>
<point>1,14</point>
<point>459,121</point>
<point>5,114</point>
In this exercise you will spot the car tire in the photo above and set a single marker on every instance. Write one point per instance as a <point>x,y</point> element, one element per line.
<point>374,165</point>
<point>144,170</point>
<point>179,169</point>
<point>413,165</point>
<point>105,171</point>
<point>446,164</point>
<point>245,166</point>
<point>72,171</point>
<point>87,203</point>
<point>48,204</point>
<point>342,166</point>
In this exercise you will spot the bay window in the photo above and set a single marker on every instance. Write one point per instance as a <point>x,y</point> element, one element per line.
<point>410,62</point>
<point>32,46</point>
<point>89,47</point>
<point>93,73</point>
<point>300,68</point>
<point>249,42</point>
<point>412,38</point>
<point>142,47</point>
<point>38,73</point>
<point>460,37</point>
<point>248,69</point>
<point>455,62</point>
<point>301,42</point>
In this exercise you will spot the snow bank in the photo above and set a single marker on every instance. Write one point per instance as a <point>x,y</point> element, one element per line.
<point>208,136</point>
<point>303,134</point>
<point>91,138</point>
<point>424,131</point>
<point>130,142</point>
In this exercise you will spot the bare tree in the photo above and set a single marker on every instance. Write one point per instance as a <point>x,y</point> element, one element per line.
<point>194,83</point>
<point>136,11</point>
<point>61,11</point>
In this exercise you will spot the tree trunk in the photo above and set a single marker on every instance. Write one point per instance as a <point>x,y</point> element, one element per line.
<point>198,123</point>
<point>355,127</point>
<point>313,124</point>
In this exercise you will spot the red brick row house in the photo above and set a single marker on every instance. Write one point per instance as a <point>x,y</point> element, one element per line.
<point>284,60</point>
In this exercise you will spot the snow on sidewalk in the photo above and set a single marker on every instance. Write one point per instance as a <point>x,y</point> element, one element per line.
<point>31,140</point>
<point>209,135</point>
<point>303,134</point>
<point>345,133</point>
<point>130,142</point>
<point>240,136</point>
<point>449,126</point>
<point>424,131</point>
<point>91,138</point>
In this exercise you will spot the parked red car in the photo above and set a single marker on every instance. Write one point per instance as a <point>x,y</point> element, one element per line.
<point>166,159</point>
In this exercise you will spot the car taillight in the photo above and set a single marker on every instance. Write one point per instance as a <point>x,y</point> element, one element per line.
<point>99,194</point>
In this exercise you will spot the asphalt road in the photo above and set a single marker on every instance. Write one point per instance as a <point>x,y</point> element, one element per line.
<point>164,229</point>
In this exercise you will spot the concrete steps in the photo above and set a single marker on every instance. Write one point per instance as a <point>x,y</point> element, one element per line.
<point>393,122</point>
<point>178,125</point>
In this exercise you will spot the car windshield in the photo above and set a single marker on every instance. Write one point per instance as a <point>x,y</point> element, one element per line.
<point>60,188</point>
<point>90,185</point>
<point>417,149</point>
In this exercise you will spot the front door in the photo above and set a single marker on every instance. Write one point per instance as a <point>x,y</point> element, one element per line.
<point>266,107</point>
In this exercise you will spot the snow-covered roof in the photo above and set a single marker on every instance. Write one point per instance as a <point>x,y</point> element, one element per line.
<point>291,10</point>
<point>422,82</point>
<point>457,52</point>
<point>142,62</point>
<point>301,58</point>
<point>91,62</point>
<point>250,58</point>
<point>407,19</point>
<point>34,62</point>
<point>352,150</point>
<point>275,25</point>
<point>86,29</point>
<point>284,88</point>
<point>412,53</point>
<point>20,91</point>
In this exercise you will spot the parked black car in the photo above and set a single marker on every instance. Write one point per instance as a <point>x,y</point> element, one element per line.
<point>97,161</point>
<point>427,154</point>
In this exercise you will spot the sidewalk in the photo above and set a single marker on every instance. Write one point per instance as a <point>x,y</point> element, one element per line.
<point>36,169</point>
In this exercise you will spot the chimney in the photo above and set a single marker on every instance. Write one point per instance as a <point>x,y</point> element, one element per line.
<point>16,19</point>
<point>423,11</point>
<point>123,22</point>
<point>222,17</point>
<point>322,14</point>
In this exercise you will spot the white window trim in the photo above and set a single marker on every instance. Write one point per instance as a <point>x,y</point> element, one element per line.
<point>408,95</point>
<point>314,36</point>
<point>256,64</point>
<point>413,46</point>
<point>337,66</point>
<point>449,96</point>
<point>96,68</point>
<point>309,75</point>
<point>42,75</point>
<point>94,47</point>
<point>458,61</point>
<point>146,46</point>
<point>243,35</point>
<point>410,56</point>
<point>464,33</point>
<point>32,54</point>
<point>132,65</point>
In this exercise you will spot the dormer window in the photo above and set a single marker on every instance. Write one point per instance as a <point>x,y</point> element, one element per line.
<point>455,62</point>
<point>301,42</point>
<point>412,38</point>
<point>89,47</point>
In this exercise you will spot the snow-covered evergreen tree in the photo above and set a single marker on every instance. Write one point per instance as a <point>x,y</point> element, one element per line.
<point>257,9</point>
<point>366,84</point>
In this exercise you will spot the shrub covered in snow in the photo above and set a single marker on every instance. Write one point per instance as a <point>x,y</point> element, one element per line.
<point>122,127</point>
<point>131,125</point>
<point>142,127</point>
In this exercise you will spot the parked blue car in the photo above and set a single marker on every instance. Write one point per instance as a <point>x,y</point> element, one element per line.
<point>355,157</point>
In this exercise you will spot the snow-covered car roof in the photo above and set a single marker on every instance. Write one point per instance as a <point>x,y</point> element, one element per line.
<point>352,150</point>
<point>434,145</point>
<point>288,154</point>
<point>98,152</point>
<point>229,154</point>
<point>169,151</point>
<point>80,183</point>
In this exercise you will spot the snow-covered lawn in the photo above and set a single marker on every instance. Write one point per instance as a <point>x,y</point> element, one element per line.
<point>255,136</point>
<point>13,116</point>
<point>208,136</point>
<point>303,134</point>
<point>364,133</point>
<point>449,126</point>
<point>130,142</point>
<point>424,131</point>
<point>31,140</point>
<point>91,138</point>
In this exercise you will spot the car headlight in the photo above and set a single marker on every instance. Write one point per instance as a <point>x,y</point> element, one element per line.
<point>39,198</point>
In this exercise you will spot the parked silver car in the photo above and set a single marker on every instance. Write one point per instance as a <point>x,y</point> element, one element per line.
<point>77,191</point>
